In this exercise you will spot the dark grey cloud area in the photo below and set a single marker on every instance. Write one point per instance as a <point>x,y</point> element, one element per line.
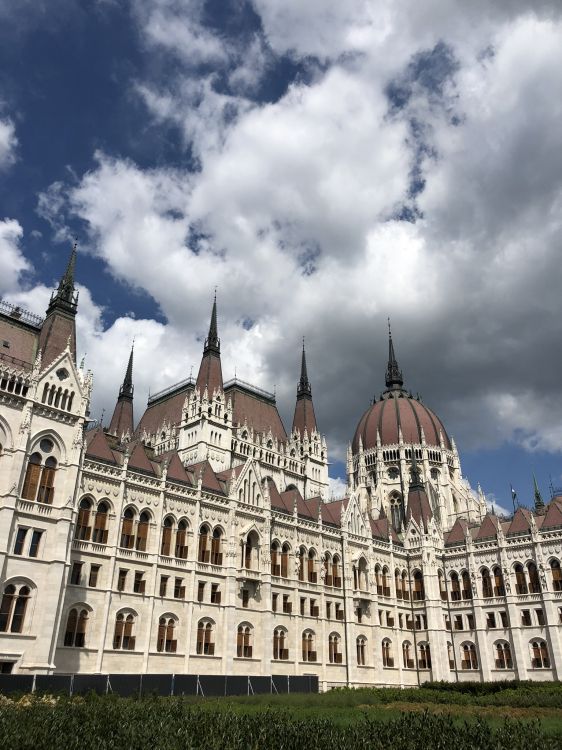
<point>412,169</point>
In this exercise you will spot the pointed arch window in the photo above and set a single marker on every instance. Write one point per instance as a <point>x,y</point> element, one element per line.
<point>32,477</point>
<point>503,655</point>
<point>424,656</point>
<point>311,567</point>
<point>534,580</point>
<point>407,660</point>
<point>336,572</point>
<point>167,530</point>
<point>166,641</point>
<point>361,646</point>
<point>275,559</point>
<point>520,580</point>
<point>556,575</point>
<point>123,637</point>
<point>216,547</point>
<point>204,553</point>
<point>499,587</point>
<point>540,658</point>
<point>419,591</point>
<point>127,529</point>
<point>466,587</point>
<point>244,642</point>
<point>280,651</point>
<point>181,540</point>
<point>205,645</point>
<point>387,657</point>
<point>13,608</point>
<point>83,524</point>
<point>142,531</point>
<point>455,587</point>
<point>334,654</point>
<point>469,659</point>
<point>99,535</point>
<point>76,623</point>
<point>308,650</point>
<point>487,591</point>
<point>285,560</point>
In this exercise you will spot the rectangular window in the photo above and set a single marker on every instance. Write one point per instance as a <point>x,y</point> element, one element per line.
<point>215,594</point>
<point>470,622</point>
<point>303,605</point>
<point>122,579</point>
<point>503,618</point>
<point>76,573</point>
<point>360,614</point>
<point>245,597</point>
<point>139,582</point>
<point>314,610</point>
<point>339,611</point>
<point>328,610</point>
<point>179,589</point>
<point>526,617</point>
<point>200,591</point>
<point>34,544</point>
<point>274,598</point>
<point>287,606</point>
<point>163,585</point>
<point>540,617</point>
<point>490,620</point>
<point>94,572</point>
<point>458,622</point>
<point>20,539</point>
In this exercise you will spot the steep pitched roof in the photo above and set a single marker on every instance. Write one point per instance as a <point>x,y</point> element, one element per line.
<point>209,478</point>
<point>259,413</point>
<point>176,471</point>
<point>166,409</point>
<point>457,533</point>
<point>488,527</point>
<point>290,496</point>
<point>331,512</point>
<point>553,515</point>
<point>521,522</point>
<point>277,500</point>
<point>139,460</point>
<point>97,446</point>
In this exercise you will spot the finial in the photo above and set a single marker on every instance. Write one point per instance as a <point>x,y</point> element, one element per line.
<point>212,342</point>
<point>394,379</point>
<point>539,502</point>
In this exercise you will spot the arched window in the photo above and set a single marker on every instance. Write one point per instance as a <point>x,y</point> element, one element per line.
<point>441,580</point>
<point>83,524</point>
<point>336,572</point>
<point>100,524</point>
<point>499,587</point>
<point>166,545</point>
<point>244,641</point>
<point>216,547</point>
<point>181,541</point>
<point>47,483</point>
<point>361,646</point>
<point>487,591</point>
<point>301,558</point>
<point>280,651</point>
<point>142,531</point>
<point>308,649</point>
<point>396,510</point>
<point>520,579</point>
<point>387,657</point>
<point>250,551</point>
<point>334,653</point>
<point>424,656</point>
<point>166,641</point>
<point>275,559</point>
<point>127,529</point>
<point>405,586</point>
<point>503,655</point>
<point>123,637</point>
<point>75,633</point>
<point>556,575</point>
<point>466,587</point>
<point>378,579</point>
<point>285,550</point>
<point>311,567</point>
<point>13,608</point>
<point>204,553</point>
<point>407,659</point>
<point>455,588</point>
<point>419,590</point>
<point>469,660</point>
<point>32,476</point>
<point>205,642</point>
<point>361,577</point>
<point>327,565</point>
<point>534,580</point>
<point>540,658</point>
<point>450,655</point>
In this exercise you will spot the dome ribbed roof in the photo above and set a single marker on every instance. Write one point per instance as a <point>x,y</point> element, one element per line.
<point>399,410</point>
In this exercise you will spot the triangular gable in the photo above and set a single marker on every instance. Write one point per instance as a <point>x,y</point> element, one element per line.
<point>97,446</point>
<point>226,474</point>
<point>553,516</point>
<point>290,496</point>
<point>521,522</point>
<point>419,508</point>
<point>353,517</point>
<point>331,513</point>
<point>209,478</point>
<point>140,461</point>
<point>488,527</point>
<point>176,471</point>
<point>457,534</point>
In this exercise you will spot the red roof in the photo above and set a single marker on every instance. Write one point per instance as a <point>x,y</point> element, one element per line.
<point>457,533</point>
<point>553,515</point>
<point>98,447</point>
<point>122,419</point>
<point>260,413</point>
<point>139,460</point>
<point>521,522</point>
<point>210,373</point>
<point>167,409</point>
<point>398,410</point>
<point>304,418</point>
<point>209,478</point>
<point>419,507</point>
<point>176,471</point>
<point>276,499</point>
<point>488,527</point>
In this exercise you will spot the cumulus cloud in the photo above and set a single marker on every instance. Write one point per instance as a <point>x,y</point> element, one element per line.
<point>12,260</point>
<point>8,143</point>
<point>415,175</point>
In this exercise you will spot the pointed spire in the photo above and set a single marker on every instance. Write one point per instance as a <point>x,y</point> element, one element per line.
<point>59,330</point>
<point>303,388</point>
<point>127,388</point>
<point>539,502</point>
<point>65,296</point>
<point>304,419</point>
<point>212,342</point>
<point>122,420</point>
<point>394,377</point>
<point>210,370</point>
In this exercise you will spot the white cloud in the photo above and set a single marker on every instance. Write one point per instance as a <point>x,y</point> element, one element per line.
<point>12,261</point>
<point>8,143</point>
<point>337,487</point>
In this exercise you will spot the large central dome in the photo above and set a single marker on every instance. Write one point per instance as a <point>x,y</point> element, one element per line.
<point>398,411</point>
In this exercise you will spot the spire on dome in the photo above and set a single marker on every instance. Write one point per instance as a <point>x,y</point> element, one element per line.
<point>539,502</point>
<point>210,370</point>
<point>122,419</point>
<point>304,418</point>
<point>394,377</point>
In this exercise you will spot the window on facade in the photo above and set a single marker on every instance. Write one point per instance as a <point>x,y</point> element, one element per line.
<point>166,641</point>
<point>499,587</point>
<point>279,648</point>
<point>440,578</point>
<point>419,592</point>
<point>458,622</point>
<point>396,510</point>
<point>407,659</point>
<point>142,532</point>
<point>127,529</point>
<point>181,541</point>
<point>274,600</point>
<point>466,587</point>
<point>540,617</point>
<point>361,647</point>
<point>487,591</point>
<point>314,608</point>
<point>83,528</point>
<point>200,591</point>
<point>285,550</point>
<point>122,579</point>
<point>469,660</point>
<point>163,585</point>
<point>75,633</point>
<point>245,598</point>
<point>534,580</point>
<point>504,620</point>
<point>503,655</point>
<point>76,573</point>
<point>20,540</point>
<point>215,594</point>
<point>166,544</point>
<point>123,637</point>
<point>47,483</point>
<point>35,542</point>
<point>13,607</point>
<point>204,553</point>
<point>387,657</point>
<point>39,478</point>
<point>451,655</point>
<point>526,617</point>
<point>275,559</point>
<point>139,583</point>
<point>312,575</point>
<point>94,573</point>
<point>99,535</point>
<point>336,572</point>
<point>205,645</point>
<point>216,547</point>
<point>520,580</point>
<point>179,589</point>
<point>334,653</point>
<point>287,605</point>
<point>540,658</point>
<point>405,586</point>
<point>490,620</point>
<point>424,656</point>
<point>302,557</point>
<point>556,575</point>
<point>244,642</point>
<point>455,587</point>
<point>308,649</point>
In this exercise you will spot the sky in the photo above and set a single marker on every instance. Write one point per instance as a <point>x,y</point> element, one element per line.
<point>324,165</point>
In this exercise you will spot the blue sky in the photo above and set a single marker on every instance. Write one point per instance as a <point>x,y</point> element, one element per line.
<point>325,166</point>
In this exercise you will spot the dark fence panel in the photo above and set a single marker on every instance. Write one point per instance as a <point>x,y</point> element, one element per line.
<point>16,683</point>
<point>124,685</point>
<point>260,685</point>
<point>157,684</point>
<point>211,685</point>
<point>185,684</point>
<point>53,683</point>
<point>280,683</point>
<point>302,684</point>
<point>87,683</point>
<point>236,685</point>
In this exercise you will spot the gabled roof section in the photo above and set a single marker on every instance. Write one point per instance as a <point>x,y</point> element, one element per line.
<point>488,528</point>
<point>97,446</point>
<point>419,507</point>
<point>521,522</point>
<point>258,411</point>
<point>457,534</point>
<point>291,496</point>
<point>383,529</point>
<point>276,500</point>
<point>139,461</point>
<point>167,409</point>
<point>553,515</point>
<point>209,478</point>
<point>176,471</point>
<point>331,512</point>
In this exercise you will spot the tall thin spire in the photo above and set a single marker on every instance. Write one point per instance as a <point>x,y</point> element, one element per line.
<point>212,342</point>
<point>210,371</point>
<point>303,387</point>
<point>58,329</point>
<point>128,388</point>
<point>122,420</point>
<point>394,377</point>
<point>539,502</point>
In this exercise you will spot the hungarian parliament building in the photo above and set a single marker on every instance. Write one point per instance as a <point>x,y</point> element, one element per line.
<point>203,540</point>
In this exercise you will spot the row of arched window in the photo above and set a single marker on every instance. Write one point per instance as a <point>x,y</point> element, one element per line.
<point>527,581</point>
